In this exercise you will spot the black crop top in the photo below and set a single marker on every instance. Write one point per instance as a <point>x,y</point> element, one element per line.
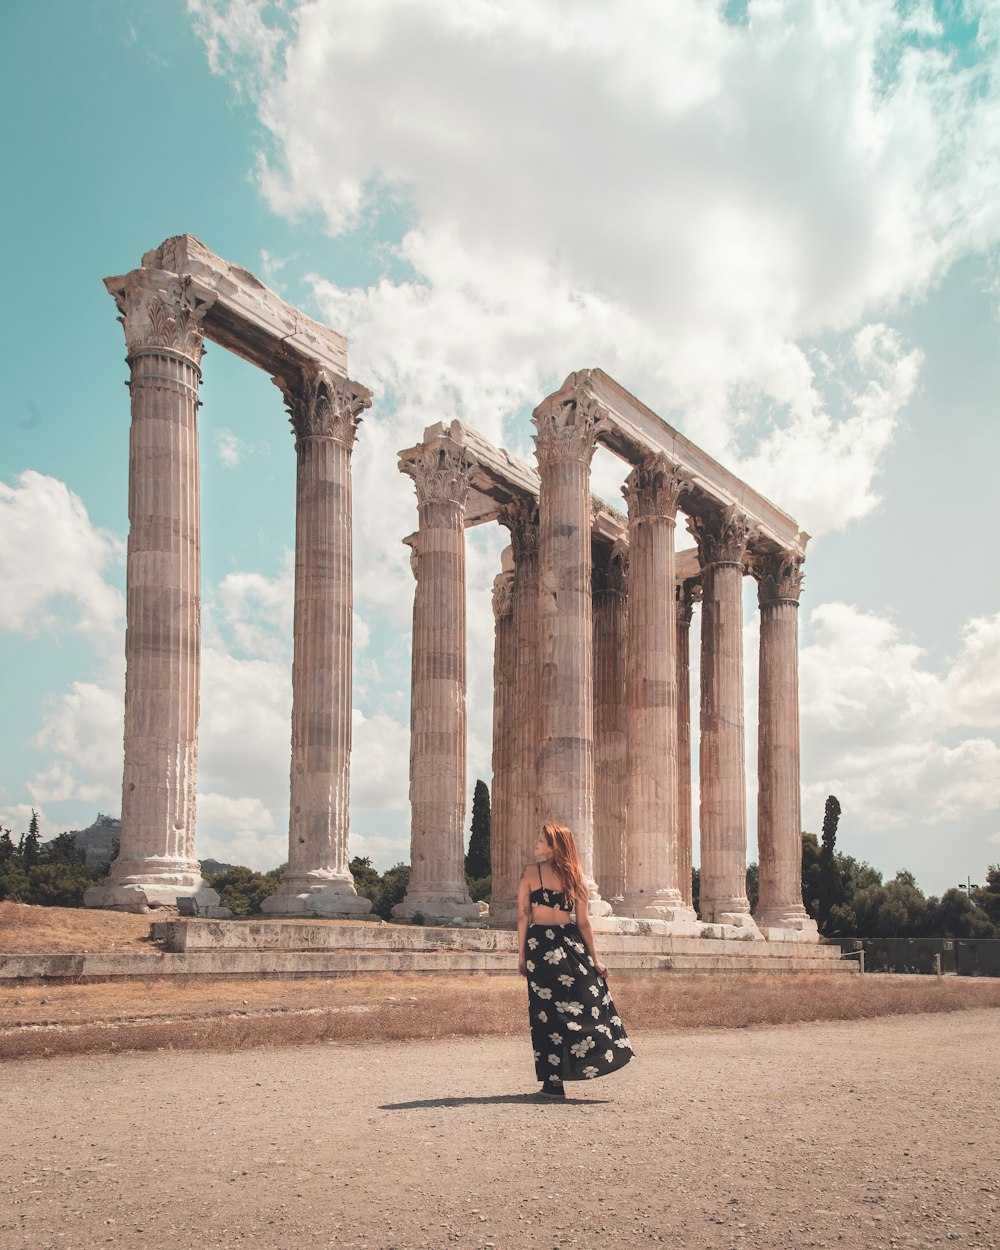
<point>544,897</point>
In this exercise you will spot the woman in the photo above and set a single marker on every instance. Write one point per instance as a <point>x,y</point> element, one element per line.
<point>575,1031</point>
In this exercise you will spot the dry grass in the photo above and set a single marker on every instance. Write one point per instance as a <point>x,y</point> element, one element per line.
<point>230,1015</point>
<point>27,930</point>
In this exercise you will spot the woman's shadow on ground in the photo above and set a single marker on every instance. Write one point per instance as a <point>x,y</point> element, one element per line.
<point>486,1100</point>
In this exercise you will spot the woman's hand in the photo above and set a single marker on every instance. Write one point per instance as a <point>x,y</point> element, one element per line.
<point>522,966</point>
<point>602,969</point>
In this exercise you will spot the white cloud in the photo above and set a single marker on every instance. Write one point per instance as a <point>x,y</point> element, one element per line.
<point>255,612</point>
<point>239,830</point>
<point>54,563</point>
<point>873,726</point>
<point>82,735</point>
<point>690,205</point>
<point>380,762</point>
<point>230,446</point>
<point>972,688</point>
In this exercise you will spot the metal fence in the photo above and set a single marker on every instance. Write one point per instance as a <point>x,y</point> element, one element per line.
<point>964,957</point>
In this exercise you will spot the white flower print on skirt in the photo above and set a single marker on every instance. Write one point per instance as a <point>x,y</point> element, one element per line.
<point>562,992</point>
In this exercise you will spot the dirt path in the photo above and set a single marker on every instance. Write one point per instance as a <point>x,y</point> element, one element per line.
<point>864,1134</point>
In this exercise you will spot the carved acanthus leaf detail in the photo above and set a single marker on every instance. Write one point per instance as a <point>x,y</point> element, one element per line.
<point>442,472</point>
<point>521,518</point>
<point>779,576</point>
<point>654,488</point>
<point>688,594</point>
<point>567,423</point>
<point>722,536</point>
<point>609,571</point>
<point>322,405</point>
<point>503,595</point>
<point>413,542</point>
<point>160,310</point>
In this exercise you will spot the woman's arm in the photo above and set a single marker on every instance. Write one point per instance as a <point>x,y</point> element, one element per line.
<point>587,933</point>
<point>523,917</point>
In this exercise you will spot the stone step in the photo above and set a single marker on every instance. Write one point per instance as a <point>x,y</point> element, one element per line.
<point>206,935</point>
<point>235,964</point>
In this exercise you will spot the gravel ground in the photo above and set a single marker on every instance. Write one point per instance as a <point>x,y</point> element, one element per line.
<point>869,1134</point>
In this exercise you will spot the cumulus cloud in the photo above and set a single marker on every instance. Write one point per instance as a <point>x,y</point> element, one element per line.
<point>55,563</point>
<point>971,691</point>
<point>888,735</point>
<point>691,204</point>
<point>81,734</point>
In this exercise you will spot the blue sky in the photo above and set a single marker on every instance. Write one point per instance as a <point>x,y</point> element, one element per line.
<point>776,223</point>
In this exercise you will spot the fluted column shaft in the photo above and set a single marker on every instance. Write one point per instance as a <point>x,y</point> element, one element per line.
<point>652,870</point>
<point>442,474</point>
<point>565,446</point>
<point>505,863</point>
<point>324,413</point>
<point>522,820</point>
<point>779,827</point>
<point>610,720</point>
<point>157,861</point>
<point>722,542</point>
<point>684,604</point>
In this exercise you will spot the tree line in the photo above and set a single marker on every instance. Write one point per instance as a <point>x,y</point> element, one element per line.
<point>48,874</point>
<point>846,897</point>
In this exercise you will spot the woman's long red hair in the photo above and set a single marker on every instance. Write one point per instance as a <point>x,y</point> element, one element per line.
<point>566,862</point>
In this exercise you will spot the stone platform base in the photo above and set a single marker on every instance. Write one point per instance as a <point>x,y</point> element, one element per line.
<point>240,949</point>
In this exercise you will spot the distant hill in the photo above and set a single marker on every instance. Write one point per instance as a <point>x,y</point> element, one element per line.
<point>99,842</point>
<point>209,866</point>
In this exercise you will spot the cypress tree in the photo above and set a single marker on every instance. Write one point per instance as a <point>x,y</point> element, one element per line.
<point>31,846</point>
<point>830,878</point>
<point>477,861</point>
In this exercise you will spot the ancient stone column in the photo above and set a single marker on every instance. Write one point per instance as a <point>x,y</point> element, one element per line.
<point>610,718</point>
<point>505,863</point>
<point>779,827</point>
<point>522,822</point>
<point>722,538</point>
<point>653,887</point>
<point>157,862</point>
<point>686,596</point>
<point>324,414</point>
<point>442,474</point>
<point>564,446</point>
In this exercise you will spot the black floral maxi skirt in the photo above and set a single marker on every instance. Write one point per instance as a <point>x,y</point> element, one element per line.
<point>576,1032</point>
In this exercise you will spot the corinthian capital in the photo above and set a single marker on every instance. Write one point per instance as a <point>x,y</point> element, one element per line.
<point>722,536</point>
<point>654,488</point>
<point>159,310</point>
<point>442,471</point>
<point>779,576</point>
<point>503,595</point>
<point>322,405</point>
<point>688,594</point>
<point>521,518</point>
<point>610,574</point>
<point>567,423</point>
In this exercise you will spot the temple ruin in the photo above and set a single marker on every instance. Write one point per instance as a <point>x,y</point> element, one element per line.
<point>591,671</point>
<point>182,294</point>
<point>591,723</point>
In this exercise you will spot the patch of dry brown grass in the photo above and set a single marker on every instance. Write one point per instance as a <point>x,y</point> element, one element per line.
<point>230,1015</point>
<point>27,930</point>
<point>739,1001</point>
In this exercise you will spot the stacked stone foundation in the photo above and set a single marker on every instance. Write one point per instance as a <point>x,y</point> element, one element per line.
<point>283,949</point>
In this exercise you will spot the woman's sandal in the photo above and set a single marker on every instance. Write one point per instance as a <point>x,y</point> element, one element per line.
<point>552,1091</point>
